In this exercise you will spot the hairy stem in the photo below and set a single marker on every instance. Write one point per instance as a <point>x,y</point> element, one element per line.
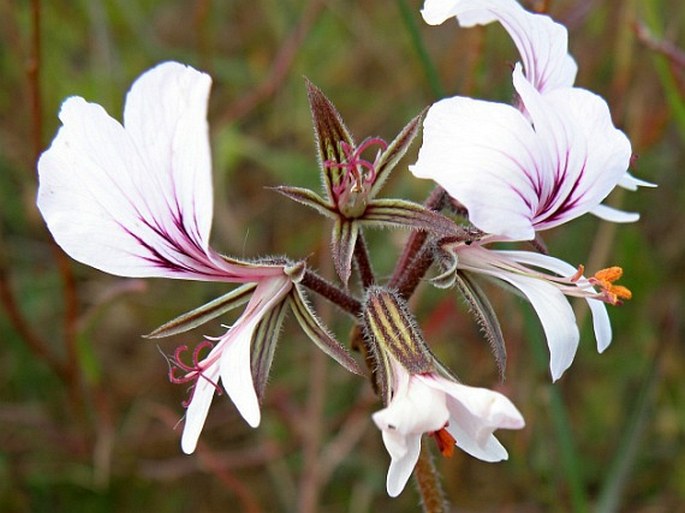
<point>335,295</point>
<point>416,258</point>
<point>428,484</point>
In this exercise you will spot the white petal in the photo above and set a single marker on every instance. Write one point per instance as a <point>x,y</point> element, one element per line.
<point>113,201</point>
<point>589,155</point>
<point>631,183</point>
<point>401,467</point>
<point>542,43</point>
<point>557,319</point>
<point>166,117</point>
<point>600,318</point>
<point>614,215</point>
<point>236,371</point>
<point>487,156</point>
<point>196,414</point>
<point>475,413</point>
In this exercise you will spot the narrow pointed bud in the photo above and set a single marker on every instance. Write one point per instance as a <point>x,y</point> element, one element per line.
<point>331,136</point>
<point>392,332</point>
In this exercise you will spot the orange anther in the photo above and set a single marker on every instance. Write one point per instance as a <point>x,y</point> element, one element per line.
<point>445,441</point>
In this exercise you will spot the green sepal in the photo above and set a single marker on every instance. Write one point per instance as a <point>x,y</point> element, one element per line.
<point>205,313</point>
<point>318,333</point>
<point>263,346</point>
<point>308,198</point>
<point>329,132</point>
<point>407,214</point>
<point>343,240</point>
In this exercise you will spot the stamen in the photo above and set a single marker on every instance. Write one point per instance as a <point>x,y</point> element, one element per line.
<point>578,274</point>
<point>605,279</point>
<point>193,372</point>
<point>354,165</point>
<point>445,441</point>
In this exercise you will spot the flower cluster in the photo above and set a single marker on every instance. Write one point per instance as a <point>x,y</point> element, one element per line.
<point>134,199</point>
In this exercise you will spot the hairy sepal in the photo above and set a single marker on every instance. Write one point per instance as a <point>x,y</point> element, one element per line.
<point>205,313</point>
<point>308,198</point>
<point>329,132</point>
<point>263,346</point>
<point>407,214</point>
<point>343,240</point>
<point>318,333</point>
<point>482,310</point>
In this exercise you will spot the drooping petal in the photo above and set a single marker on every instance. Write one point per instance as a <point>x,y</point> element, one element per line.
<point>196,414</point>
<point>600,317</point>
<point>487,156</point>
<point>614,215</point>
<point>236,372</point>
<point>589,155</point>
<point>475,413</point>
<point>551,306</point>
<point>401,465</point>
<point>542,43</point>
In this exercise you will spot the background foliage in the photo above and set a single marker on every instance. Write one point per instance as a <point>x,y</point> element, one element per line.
<point>88,421</point>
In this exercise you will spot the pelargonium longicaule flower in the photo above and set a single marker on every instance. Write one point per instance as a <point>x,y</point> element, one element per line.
<point>518,174</point>
<point>543,46</point>
<point>135,200</point>
<point>422,397</point>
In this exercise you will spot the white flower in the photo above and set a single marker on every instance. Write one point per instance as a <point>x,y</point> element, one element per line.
<point>453,413</point>
<point>542,43</point>
<point>136,200</point>
<point>517,174</point>
<point>529,273</point>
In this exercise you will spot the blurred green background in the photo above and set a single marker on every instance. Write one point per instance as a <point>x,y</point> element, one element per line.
<point>88,419</point>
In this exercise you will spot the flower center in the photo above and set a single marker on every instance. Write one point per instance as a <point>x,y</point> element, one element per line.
<point>604,279</point>
<point>358,174</point>
<point>193,372</point>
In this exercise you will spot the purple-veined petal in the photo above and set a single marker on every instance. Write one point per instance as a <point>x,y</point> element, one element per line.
<point>589,155</point>
<point>487,156</point>
<point>542,43</point>
<point>614,215</point>
<point>134,202</point>
<point>196,414</point>
<point>236,373</point>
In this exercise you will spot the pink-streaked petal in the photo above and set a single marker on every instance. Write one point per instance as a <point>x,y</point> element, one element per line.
<point>166,118</point>
<point>614,215</point>
<point>401,466</point>
<point>589,155</point>
<point>542,43</point>
<point>103,199</point>
<point>487,156</point>
<point>196,414</point>
<point>236,371</point>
